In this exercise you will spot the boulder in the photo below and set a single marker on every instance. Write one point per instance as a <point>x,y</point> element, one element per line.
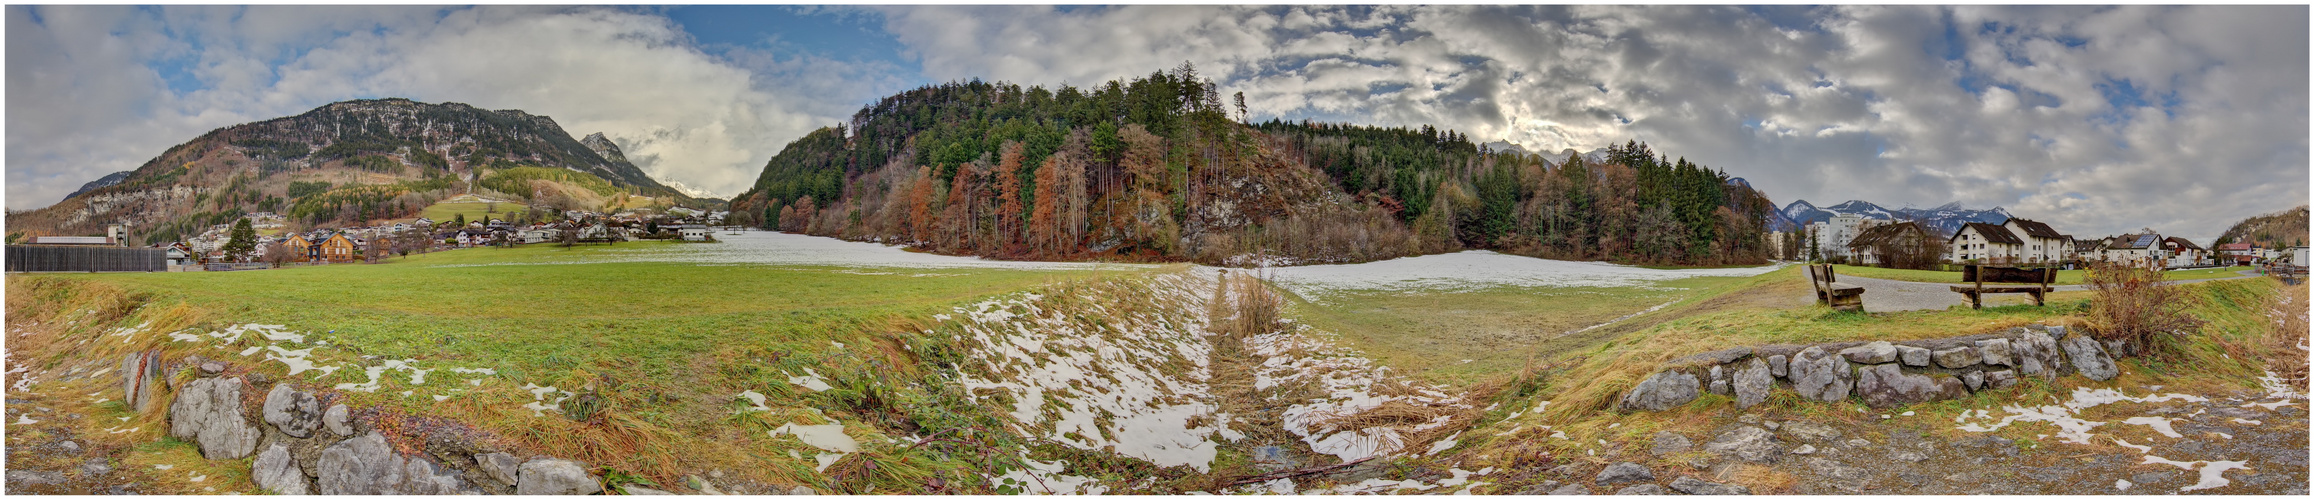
<point>339,420</point>
<point>422,477</point>
<point>2000,379</point>
<point>1624,472</point>
<point>1719,357</point>
<point>1871,353</point>
<point>1661,392</point>
<point>501,467</point>
<point>1811,431</point>
<point>294,412</point>
<point>1644,489</point>
<point>1819,376</point>
<point>212,369</point>
<point>364,465</point>
<point>1718,381</point>
<point>1957,358</point>
<point>1975,380</point>
<point>2037,354</point>
<point>1912,356</point>
<point>140,375</point>
<point>208,413</point>
<point>1746,443</point>
<point>1884,386</point>
<point>1693,486</point>
<point>277,472</point>
<point>2090,359</point>
<point>1752,383</point>
<point>1778,365</point>
<point>555,476</point>
<point>1667,443</point>
<point>1994,351</point>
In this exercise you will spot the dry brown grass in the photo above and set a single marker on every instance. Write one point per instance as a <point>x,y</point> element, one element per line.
<point>2289,311</point>
<point>1761,479</point>
<point>2134,306</point>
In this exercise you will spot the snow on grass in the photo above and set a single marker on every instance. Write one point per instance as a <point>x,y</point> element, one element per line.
<point>2071,428</point>
<point>2158,424</point>
<point>2212,472</point>
<point>1351,385</point>
<point>775,248</point>
<point>1480,269</point>
<point>810,380</point>
<point>1133,382</point>
<point>1046,478</point>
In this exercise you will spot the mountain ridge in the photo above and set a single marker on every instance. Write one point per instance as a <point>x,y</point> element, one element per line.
<point>1946,218</point>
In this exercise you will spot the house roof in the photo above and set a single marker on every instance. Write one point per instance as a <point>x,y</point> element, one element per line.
<point>2036,229</point>
<point>2133,242</point>
<point>1886,233</point>
<point>2181,243</point>
<point>1992,233</point>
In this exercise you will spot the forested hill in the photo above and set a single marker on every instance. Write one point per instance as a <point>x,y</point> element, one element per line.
<point>2282,229</point>
<point>350,163</point>
<point>1154,168</point>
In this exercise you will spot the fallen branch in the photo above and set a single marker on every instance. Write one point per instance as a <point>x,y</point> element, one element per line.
<point>1295,473</point>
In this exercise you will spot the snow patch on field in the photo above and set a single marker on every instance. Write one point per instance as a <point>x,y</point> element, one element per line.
<point>775,248</point>
<point>1133,382</point>
<point>2071,428</point>
<point>1480,269</point>
<point>1351,385</point>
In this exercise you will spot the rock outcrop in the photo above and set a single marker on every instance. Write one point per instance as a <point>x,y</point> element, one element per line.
<point>208,413</point>
<point>1661,392</point>
<point>292,411</point>
<point>555,476</point>
<point>2090,359</point>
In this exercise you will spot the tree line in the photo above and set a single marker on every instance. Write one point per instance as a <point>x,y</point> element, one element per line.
<point>1153,168</point>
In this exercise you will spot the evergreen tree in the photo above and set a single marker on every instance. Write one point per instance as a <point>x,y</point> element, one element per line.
<point>244,241</point>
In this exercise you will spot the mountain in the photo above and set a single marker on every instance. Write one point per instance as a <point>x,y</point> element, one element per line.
<point>1947,218</point>
<point>107,180</point>
<point>2282,229</point>
<point>1152,169</point>
<point>355,162</point>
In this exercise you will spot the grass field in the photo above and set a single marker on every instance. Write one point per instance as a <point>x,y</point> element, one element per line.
<point>661,348</point>
<point>1465,337</point>
<point>473,210</point>
<point>2064,277</point>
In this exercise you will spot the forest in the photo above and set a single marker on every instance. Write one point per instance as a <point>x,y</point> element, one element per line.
<point>1155,168</point>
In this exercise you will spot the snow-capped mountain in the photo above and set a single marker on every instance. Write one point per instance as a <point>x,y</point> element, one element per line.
<point>1946,219</point>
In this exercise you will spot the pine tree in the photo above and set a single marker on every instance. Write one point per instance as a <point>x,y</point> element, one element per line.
<point>244,241</point>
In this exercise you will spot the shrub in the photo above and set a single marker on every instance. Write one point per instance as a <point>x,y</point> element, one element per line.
<point>2133,306</point>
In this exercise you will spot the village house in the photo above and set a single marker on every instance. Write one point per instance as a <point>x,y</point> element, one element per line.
<point>1903,245</point>
<point>1986,243</point>
<point>696,233</point>
<point>300,249</point>
<point>338,249</point>
<point>2238,254</point>
<point>2042,244</point>
<point>2142,249</point>
<point>2182,253</point>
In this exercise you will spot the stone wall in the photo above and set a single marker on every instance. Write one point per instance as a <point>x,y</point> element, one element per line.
<point>305,448</point>
<point>1881,374</point>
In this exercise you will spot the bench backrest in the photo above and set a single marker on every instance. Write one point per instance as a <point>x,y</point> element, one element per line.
<point>1993,274</point>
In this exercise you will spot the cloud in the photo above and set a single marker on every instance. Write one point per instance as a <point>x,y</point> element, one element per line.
<point>86,98</point>
<point>2096,119</point>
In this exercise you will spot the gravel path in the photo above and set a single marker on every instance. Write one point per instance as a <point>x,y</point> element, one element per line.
<point>1884,295</point>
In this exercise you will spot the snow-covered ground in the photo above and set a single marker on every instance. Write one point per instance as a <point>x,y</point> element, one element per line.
<point>775,248</point>
<point>1479,269</point>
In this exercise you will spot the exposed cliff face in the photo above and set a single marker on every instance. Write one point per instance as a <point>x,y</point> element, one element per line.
<point>343,163</point>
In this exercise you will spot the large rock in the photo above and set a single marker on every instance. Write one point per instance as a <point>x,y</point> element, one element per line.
<point>277,472</point>
<point>1912,356</point>
<point>2037,354</point>
<point>208,413</point>
<point>367,465</point>
<point>1746,443</point>
<point>2090,359</point>
<point>1624,472</point>
<point>1693,486</point>
<point>1819,376</point>
<point>1779,365</point>
<point>1872,353</point>
<point>1884,386</point>
<point>1975,380</point>
<point>2000,379</point>
<point>555,476</point>
<point>1661,392</point>
<point>500,466</point>
<point>1957,358</point>
<point>364,465</point>
<point>294,412</point>
<point>140,375</point>
<point>1994,351</point>
<point>1752,383</point>
<point>339,420</point>
<point>1572,489</point>
<point>1668,443</point>
<point>1719,381</point>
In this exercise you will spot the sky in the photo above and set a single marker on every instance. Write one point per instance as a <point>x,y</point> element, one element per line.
<point>2096,119</point>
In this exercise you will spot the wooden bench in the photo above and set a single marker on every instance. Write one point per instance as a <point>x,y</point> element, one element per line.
<point>2035,282</point>
<point>1842,296</point>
